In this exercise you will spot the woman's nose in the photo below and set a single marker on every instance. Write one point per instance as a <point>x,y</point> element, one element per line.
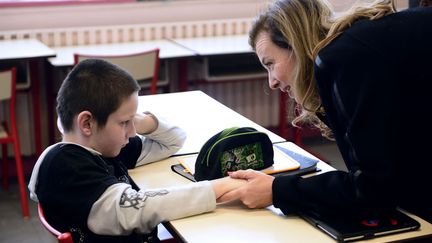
<point>273,83</point>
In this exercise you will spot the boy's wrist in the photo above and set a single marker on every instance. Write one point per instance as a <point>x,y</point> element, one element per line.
<point>226,184</point>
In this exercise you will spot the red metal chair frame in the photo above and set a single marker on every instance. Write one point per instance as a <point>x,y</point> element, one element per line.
<point>12,137</point>
<point>65,237</point>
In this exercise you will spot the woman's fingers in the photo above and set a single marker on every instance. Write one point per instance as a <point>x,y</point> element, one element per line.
<point>244,174</point>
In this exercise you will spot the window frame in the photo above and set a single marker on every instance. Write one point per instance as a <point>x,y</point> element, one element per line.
<point>42,3</point>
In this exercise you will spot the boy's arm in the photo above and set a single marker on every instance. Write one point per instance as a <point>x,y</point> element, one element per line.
<point>224,185</point>
<point>121,209</point>
<point>145,123</point>
<point>160,139</point>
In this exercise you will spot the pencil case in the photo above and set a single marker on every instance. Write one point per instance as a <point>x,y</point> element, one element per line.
<point>235,148</point>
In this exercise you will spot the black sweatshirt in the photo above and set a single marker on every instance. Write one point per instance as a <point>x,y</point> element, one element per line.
<point>373,80</point>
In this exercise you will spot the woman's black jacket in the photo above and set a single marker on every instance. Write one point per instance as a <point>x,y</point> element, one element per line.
<point>374,84</point>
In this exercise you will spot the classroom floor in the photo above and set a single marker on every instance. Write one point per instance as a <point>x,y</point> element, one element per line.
<point>14,229</point>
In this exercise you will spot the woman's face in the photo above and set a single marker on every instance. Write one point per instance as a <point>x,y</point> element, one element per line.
<point>279,63</point>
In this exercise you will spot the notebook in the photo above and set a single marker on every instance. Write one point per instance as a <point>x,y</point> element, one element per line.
<point>286,162</point>
<point>307,164</point>
<point>347,230</point>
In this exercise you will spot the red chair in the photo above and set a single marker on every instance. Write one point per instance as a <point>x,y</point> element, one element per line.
<point>143,66</point>
<point>8,95</point>
<point>61,237</point>
<point>66,237</point>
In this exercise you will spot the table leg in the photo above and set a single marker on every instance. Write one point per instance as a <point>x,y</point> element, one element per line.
<point>183,74</point>
<point>50,103</point>
<point>35,92</point>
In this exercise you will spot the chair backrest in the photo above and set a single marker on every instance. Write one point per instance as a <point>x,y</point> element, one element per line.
<point>7,84</point>
<point>61,237</point>
<point>143,66</point>
<point>8,93</point>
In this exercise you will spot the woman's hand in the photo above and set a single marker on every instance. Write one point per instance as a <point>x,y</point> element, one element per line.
<point>256,193</point>
<point>224,185</point>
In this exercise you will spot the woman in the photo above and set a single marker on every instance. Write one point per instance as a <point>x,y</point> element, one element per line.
<point>361,79</point>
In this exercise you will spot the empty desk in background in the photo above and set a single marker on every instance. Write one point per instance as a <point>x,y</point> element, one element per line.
<point>224,58</point>
<point>199,115</point>
<point>167,51</point>
<point>216,45</point>
<point>33,52</point>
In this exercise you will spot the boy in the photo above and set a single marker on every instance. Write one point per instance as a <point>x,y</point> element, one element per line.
<point>82,182</point>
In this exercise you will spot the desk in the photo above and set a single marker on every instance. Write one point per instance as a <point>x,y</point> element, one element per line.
<point>33,51</point>
<point>199,115</point>
<point>233,222</point>
<point>216,45</point>
<point>167,50</point>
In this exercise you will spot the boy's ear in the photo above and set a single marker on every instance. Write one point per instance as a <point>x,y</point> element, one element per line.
<point>85,122</point>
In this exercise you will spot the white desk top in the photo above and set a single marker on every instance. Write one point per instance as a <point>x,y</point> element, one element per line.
<point>199,115</point>
<point>167,50</point>
<point>218,45</point>
<point>234,223</point>
<point>24,49</point>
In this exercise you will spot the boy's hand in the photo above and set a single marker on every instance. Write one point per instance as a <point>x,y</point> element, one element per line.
<point>224,185</point>
<point>145,123</point>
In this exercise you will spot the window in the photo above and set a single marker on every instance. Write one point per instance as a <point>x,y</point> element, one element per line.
<point>338,4</point>
<point>31,3</point>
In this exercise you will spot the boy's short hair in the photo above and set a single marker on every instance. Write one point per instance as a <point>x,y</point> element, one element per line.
<point>94,85</point>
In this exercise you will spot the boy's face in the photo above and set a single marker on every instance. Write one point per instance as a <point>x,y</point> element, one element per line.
<point>110,139</point>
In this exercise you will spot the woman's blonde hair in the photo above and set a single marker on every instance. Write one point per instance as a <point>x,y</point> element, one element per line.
<point>306,26</point>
